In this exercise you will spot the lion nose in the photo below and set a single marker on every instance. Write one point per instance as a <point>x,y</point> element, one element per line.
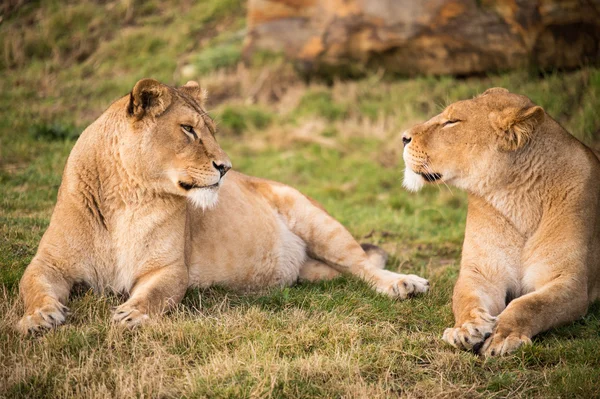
<point>406,139</point>
<point>222,167</point>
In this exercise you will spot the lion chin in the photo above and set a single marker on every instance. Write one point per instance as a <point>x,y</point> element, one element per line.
<point>204,198</point>
<point>412,181</point>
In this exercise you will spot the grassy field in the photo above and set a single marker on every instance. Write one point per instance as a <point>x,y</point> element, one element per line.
<point>62,65</point>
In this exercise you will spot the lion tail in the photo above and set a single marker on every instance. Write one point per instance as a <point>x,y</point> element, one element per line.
<point>377,255</point>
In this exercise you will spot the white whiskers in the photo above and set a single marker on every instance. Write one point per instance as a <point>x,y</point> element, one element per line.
<point>431,172</point>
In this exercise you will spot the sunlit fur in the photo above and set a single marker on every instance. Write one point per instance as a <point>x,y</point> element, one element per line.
<point>123,220</point>
<point>533,223</point>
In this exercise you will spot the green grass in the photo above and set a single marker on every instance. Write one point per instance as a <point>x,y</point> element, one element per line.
<point>337,143</point>
<point>236,120</point>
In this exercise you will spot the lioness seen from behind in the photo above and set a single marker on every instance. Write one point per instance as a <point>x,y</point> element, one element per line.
<point>148,207</point>
<point>531,254</point>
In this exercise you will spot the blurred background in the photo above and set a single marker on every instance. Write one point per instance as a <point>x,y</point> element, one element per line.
<point>271,62</point>
<point>315,94</point>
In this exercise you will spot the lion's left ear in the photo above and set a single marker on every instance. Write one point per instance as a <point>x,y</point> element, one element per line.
<point>193,89</point>
<point>516,126</point>
<point>149,97</point>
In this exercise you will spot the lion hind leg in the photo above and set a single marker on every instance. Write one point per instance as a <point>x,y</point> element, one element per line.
<point>313,270</point>
<point>329,242</point>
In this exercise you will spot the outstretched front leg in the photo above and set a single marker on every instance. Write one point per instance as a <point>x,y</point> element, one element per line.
<point>479,294</point>
<point>60,262</point>
<point>488,274</point>
<point>154,292</point>
<point>555,270</point>
<point>45,289</point>
<point>327,240</point>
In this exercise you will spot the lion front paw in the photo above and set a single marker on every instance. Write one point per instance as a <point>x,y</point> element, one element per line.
<point>44,318</point>
<point>472,334</point>
<point>129,316</point>
<point>400,286</point>
<point>501,343</point>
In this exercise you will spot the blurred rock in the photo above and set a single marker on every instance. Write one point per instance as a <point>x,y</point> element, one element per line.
<point>457,37</point>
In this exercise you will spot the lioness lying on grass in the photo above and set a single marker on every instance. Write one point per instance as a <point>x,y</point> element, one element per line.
<point>137,213</point>
<point>531,255</point>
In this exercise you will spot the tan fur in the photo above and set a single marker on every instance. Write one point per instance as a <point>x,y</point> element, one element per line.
<point>137,213</point>
<point>533,223</point>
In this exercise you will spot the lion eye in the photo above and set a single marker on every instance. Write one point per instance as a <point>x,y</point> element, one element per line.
<point>190,131</point>
<point>451,122</point>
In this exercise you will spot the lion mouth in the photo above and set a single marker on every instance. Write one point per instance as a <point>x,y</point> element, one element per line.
<point>191,186</point>
<point>431,177</point>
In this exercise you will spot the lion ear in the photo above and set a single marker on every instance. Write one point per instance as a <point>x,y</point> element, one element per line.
<point>193,89</point>
<point>515,126</point>
<point>149,97</point>
<point>495,90</point>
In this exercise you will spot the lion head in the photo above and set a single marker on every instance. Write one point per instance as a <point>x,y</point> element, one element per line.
<point>170,142</point>
<point>471,142</point>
